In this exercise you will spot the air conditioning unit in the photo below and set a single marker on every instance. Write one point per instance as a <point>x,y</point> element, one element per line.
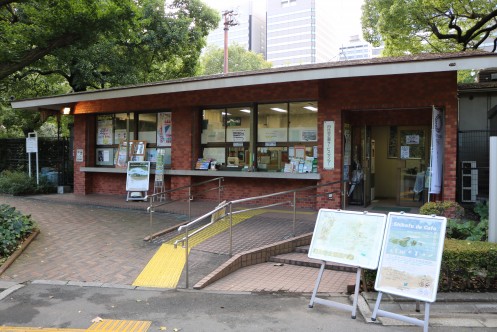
<point>469,181</point>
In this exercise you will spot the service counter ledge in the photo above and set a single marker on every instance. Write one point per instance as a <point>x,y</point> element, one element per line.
<point>240,174</point>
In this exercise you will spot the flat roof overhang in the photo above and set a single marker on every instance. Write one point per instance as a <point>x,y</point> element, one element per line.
<point>424,63</point>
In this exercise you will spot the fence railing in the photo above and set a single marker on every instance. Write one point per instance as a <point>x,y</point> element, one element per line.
<point>155,202</point>
<point>225,210</point>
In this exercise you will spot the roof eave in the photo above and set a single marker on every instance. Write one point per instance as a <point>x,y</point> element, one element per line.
<point>262,77</point>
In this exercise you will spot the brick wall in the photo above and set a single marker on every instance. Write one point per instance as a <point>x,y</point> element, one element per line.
<point>380,100</point>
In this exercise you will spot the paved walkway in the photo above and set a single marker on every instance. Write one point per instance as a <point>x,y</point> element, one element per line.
<point>97,241</point>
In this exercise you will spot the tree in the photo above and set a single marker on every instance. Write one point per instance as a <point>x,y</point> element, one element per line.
<point>33,29</point>
<point>239,59</point>
<point>415,26</point>
<point>50,47</point>
<point>155,42</point>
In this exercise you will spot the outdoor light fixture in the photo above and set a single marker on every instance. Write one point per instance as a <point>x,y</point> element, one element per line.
<point>66,110</point>
<point>311,108</point>
<point>276,109</point>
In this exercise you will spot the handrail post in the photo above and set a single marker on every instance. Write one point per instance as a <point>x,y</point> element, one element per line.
<point>190,204</point>
<point>294,211</point>
<point>219,192</point>
<point>231,230</point>
<point>186,257</point>
<point>344,193</point>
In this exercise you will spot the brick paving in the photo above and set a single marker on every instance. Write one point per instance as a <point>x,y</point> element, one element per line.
<point>274,277</point>
<point>99,238</point>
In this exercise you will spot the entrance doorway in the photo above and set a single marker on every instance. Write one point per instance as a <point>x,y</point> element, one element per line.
<point>393,161</point>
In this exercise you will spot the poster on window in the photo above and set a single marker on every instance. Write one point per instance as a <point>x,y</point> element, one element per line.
<point>104,132</point>
<point>164,129</point>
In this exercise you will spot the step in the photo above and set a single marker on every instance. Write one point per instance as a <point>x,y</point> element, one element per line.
<point>301,259</point>
<point>302,249</point>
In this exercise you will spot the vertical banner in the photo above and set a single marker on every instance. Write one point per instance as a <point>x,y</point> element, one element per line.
<point>437,151</point>
<point>329,145</point>
<point>164,129</point>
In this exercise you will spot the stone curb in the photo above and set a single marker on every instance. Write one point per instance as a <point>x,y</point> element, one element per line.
<point>19,251</point>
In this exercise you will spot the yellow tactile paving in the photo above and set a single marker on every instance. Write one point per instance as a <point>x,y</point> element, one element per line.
<point>120,325</point>
<point>28,329</point>
<point>165,267</point>
<point>103,325</point>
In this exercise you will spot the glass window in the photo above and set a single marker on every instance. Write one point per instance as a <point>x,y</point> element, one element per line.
<point>112,129</point>
<point>147,127</point>
<point>286,139</point>
<point>303,122</point>
<point>272,123</point>
<point>226,136</point>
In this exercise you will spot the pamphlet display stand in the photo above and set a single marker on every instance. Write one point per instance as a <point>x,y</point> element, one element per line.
<point>350,238</point>
<point>410,262</point>
<point>159,179</point>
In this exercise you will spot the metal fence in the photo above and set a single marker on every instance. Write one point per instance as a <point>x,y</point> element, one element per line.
<point>54,158</point>
<point>473,165</point>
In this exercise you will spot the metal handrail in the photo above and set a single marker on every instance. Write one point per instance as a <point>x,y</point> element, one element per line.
<point>189,198</point>
<point>193,224</point>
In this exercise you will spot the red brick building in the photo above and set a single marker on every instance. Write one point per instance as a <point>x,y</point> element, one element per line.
<point>278,129</point>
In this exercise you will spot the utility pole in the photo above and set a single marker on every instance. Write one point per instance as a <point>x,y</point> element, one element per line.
<point>229,21</point>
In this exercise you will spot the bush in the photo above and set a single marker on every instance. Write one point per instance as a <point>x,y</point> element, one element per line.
<point>19,183</point>
<point>448,209</point>
<point>470,230</point>
<point>466,267</point>
<point>14,228</point>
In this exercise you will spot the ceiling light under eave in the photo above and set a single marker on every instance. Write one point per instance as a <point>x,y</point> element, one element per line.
<point>276,109</point>
<point>66,110</point>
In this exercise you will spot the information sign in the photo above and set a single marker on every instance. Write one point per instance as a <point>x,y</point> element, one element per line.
<point>138,174</point>
<point>32,144</point>
<point>348,237</point>
<point>411,256</point>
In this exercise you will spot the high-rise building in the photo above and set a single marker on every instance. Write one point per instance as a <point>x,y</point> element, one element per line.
<point>250,28</point>
<point>299,32</point>
<point>357,49</point>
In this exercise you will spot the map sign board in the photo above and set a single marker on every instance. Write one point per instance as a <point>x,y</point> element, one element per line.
<point>348,237</point>
<point>411,256</point>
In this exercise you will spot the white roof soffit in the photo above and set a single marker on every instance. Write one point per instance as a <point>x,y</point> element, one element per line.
<point>279,75</point>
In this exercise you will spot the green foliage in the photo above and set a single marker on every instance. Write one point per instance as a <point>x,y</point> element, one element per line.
<point>154,41</point>
<point>447,209</point>
<point>19,183</point>
<point>470,230</point>
<point>481,208</point>
<point>469,266</point>
<point>466,266</point>
<point>417,26</point>
<point>14,228</point>
<point>239,59</point>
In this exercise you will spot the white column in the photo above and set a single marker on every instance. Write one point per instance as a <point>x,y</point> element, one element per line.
<point>492,201</point>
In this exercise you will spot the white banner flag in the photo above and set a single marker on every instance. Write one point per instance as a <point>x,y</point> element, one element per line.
<point>437,151</point>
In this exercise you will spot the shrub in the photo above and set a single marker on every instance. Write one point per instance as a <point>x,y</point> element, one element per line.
<point>448,209</point>
<point>14,228</point>
<point>19,183</point>
<point>467,266</point>
<point>470,230</point>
